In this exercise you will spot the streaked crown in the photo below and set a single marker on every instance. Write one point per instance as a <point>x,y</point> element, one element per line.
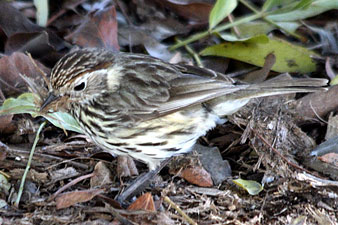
<point>76,63</point>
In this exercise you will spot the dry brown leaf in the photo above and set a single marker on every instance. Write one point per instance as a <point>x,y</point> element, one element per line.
<point>12,21</point>
<point>331,158</point>
<point>144,202</point>
<point>98,30</point>
<point>126,166</point>
<point>11,66</point>
<point>68,199</point>
<point>102,175</point>
<point>198,176</point>
<point>6,125</point>
<point>197,11</point>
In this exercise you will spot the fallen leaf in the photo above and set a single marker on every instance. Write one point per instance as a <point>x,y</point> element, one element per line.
<point>144,202</point>
<point>98,30</point>
<point>36,43</point>
<point>126,166</point>
<point>251,186</point>
<point>197,11</point>
<point>11,66</point>
<point>331,158</point>
<point>63,173</point>
<point>6,125</point>
<point>102,175</point>
<point>71,198</point>
<point>197,175</point>
<point>131,36</point>
<point>13,21</point>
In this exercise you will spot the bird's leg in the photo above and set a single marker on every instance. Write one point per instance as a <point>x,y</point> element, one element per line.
<point>140,183</point>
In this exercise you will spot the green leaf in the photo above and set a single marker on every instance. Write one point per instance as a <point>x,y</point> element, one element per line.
<point>25,104</point>
<point>289,57</point>
<point>222,9</point>
<point>334,81</point>
<point>305,9</point>
<point>64,120</point>
<point>269,4</point>
<point>251,186</point>
<point>303,4</point>
<point>251,29</point>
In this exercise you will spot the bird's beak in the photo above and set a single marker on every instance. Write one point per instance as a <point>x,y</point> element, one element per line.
<point>51,98</point>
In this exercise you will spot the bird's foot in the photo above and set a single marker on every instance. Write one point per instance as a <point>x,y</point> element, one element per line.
<point>139,184</point>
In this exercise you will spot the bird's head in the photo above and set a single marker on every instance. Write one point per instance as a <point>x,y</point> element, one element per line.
<point>79,77</point>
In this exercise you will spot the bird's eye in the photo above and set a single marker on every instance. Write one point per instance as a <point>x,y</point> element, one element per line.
<point>80,86</point>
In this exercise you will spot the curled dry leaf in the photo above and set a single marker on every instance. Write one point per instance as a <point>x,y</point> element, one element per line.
<point>11,66</point>
<point>102,175</point>
<point>126,166</point>
<point>144,202</point>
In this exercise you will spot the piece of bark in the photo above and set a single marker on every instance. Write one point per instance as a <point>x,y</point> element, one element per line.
<point>317,104</point>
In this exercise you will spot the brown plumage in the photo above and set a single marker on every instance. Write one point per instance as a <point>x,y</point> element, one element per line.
<point>133,104</point>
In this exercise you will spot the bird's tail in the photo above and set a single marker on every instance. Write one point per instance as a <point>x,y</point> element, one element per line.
<point>228,104</point>
<point>284,86</point>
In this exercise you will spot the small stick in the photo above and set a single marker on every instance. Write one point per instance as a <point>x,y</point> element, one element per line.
<point>177,208</point>
<point>2,96</point>
<point>23,179</point>
<point>118,216</point>
<point>73,182</point>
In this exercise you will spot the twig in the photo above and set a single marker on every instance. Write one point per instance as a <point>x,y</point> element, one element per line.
<point>118,216</point>
<point>318,116</point>
<point>2,96</point>
<point>193,53</point>
<point>231,19</point>
<point>246,19</point>
<point>23,179</point>
<point>75,181</point>
<point>5,174</point>
<point>220,28</point>
<point>10,86</point>
<point>177,208</point>
<point>252,8</point>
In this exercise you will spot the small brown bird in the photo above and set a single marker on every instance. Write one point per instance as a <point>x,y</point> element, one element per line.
<point>136,105</point>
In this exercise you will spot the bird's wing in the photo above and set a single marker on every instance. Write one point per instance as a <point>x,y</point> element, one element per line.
<point>154,88</point>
